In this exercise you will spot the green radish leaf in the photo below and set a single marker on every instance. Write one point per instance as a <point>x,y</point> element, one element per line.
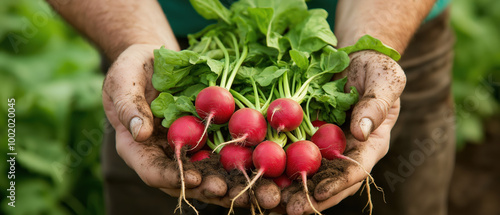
<point>176,58</point>
<point>346,100</point>
<point>215,66</point>
<point>335,86</point>
<point>334,61</point>
<point>313,33</point>
<point>192,91</point>
<point>246,28</point>
<point>166,77</point>
<point>258,53</point>
<point>211,9</point>
<point>160,104</point>
<point>268,75</point>
<point>262,17</point>
<point>300,58</point>
<point>368,42</point>
<point>171,114</point>
<point>184,104</point>
<point>248,72</point>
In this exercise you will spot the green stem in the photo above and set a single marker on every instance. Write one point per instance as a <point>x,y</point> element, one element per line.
<point>237,67</point>
<point>219,137</point>
<point>302,92</point>
<point>255,91</point>
<point>276,93</point>
<point>298,133</point>
<point>242,99</point>
<point>280,87</point>
<point>306,128</point>
<point>226,61</point>
<point>283,140</point>
<point>207,45</point>
<point>286,85</point>
<point>212,145</point>
<point>240,105</point>
<point>269,132</point>
<point>264,107</point>
<point>235,44</point>
<point>291,136</point>
<point>307,118</point>
<point>294,82</point>
<point>261,94</point>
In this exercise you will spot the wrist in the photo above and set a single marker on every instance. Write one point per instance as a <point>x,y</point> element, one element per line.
<point>114,50</point>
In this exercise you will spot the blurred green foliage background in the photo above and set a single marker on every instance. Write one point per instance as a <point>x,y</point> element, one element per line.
<point>54,76</point>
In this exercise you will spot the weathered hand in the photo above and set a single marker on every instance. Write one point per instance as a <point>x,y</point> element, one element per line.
<point>140,139</point>
<point>380,81</point>
<point>127,93</point>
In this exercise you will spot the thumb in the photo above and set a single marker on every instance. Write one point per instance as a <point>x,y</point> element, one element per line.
<point>382,84</point>
<point>124,97</point>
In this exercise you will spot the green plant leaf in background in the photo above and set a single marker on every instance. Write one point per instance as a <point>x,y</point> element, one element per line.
<point>53,75</point>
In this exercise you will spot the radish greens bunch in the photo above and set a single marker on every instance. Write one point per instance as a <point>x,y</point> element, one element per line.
<point>273,62</point>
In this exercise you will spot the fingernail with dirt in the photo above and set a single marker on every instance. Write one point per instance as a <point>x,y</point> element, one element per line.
<point>135,126</point>
<point>366,127</point>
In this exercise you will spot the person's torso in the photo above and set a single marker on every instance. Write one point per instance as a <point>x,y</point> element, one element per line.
<point>184,20</point>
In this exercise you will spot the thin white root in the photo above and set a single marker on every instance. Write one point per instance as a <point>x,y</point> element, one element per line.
<point>306,190</point>
<point>369,176</point>
<point>369,180</point>
<point>242,170</point>
<point>259,174</point>
<point>237,140</point>
<point>369,203</point>
<point>183,185</point>
<point>207,124</point>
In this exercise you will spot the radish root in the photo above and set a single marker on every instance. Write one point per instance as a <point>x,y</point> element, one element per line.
<point>182,196</point>
<point>237,140</point>
<point>207,124</point>
<point>259,174</point>
<point>306,190</point>
<point>369,180</point>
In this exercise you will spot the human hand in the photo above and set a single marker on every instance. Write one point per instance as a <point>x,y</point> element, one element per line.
<point>140,139</point>
<point>380,81</point>
<point>127,93</point>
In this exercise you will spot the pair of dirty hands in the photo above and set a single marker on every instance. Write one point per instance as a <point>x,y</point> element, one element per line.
<point>127,93</point>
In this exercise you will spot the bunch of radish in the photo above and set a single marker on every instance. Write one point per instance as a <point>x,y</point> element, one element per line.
<point>254,83</point>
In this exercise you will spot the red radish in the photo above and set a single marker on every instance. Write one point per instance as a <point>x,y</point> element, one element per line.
<point>234,156</point>
<point>214,104</point>
<point>185,131</point>
<point>330,140</point>
<point>200,155</point>
<point>332,143</point>
<point>269,160</point>
<point>285,114</point>
<point>247,126</point>
<point>303,158</point>
<point>318,123</point>
<point>282,181</point>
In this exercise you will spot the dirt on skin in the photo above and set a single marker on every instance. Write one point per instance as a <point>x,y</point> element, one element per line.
<point>210,166</point>
<point>330,170</point>
<point>272,193</point>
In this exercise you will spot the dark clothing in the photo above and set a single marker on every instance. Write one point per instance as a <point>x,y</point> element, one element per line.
<point>415,174</point>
